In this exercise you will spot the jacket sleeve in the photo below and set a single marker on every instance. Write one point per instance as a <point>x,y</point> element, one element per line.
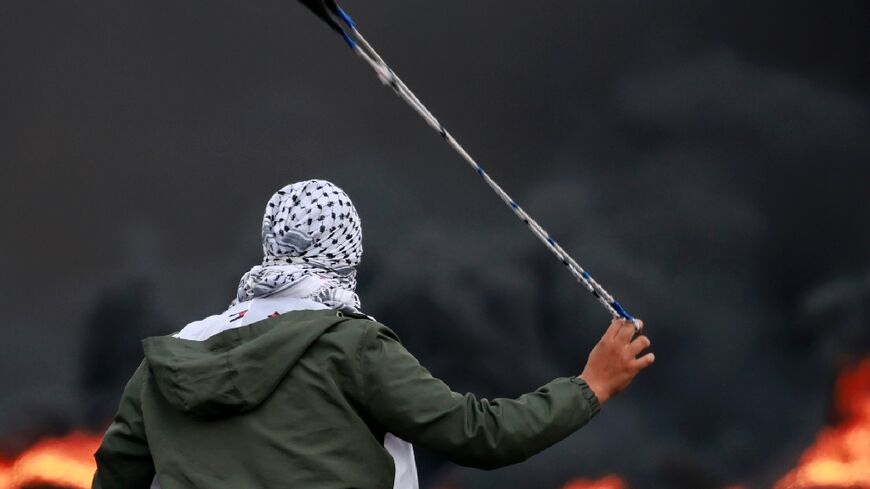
<point>408,401</point>
<point>123,459</point>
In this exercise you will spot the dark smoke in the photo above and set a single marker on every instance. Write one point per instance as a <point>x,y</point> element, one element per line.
<point>702,258</point>
<point>707,162</point>
<point>111,345</point>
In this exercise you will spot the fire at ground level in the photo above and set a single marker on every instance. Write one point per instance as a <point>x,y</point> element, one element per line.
<point>839,459</point>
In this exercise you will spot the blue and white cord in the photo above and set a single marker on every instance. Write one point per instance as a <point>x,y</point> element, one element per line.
<point>365,51</point>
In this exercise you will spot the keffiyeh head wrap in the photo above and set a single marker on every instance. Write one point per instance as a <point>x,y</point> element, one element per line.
<point>312,242</point>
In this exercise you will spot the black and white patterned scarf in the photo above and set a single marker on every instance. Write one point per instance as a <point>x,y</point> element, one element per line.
<point>312,242</point>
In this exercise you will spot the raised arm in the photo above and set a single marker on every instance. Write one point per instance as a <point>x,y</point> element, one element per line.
<point>409,402</point>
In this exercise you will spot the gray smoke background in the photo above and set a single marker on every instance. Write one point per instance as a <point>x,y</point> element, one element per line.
<point>708,162</point>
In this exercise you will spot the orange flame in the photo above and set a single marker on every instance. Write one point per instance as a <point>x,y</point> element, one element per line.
<point>65,462</point>
<point>840,458</point>
<point>611,482</point>
<point>607,482</point>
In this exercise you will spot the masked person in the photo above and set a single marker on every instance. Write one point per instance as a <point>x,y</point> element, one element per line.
<point>293,386</point>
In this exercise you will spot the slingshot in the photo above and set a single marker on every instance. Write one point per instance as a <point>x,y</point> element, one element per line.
<point>334,16</point>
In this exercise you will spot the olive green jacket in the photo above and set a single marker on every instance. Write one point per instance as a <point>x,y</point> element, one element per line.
<point>303,400</point>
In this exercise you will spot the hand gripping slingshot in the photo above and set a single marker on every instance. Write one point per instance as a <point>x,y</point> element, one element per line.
<point>335,17</point>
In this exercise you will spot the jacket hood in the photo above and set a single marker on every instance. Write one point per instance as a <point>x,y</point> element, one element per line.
<point>236,370</point>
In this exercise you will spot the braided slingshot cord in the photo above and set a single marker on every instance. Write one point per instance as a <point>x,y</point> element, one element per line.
<point>388,77</point>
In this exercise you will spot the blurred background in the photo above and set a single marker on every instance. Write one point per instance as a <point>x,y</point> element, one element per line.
<point>708,162</point>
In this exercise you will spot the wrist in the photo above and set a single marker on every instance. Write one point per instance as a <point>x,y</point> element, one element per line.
<point>596,388</point>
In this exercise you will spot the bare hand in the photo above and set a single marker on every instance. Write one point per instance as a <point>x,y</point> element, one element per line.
<point>614,361</point>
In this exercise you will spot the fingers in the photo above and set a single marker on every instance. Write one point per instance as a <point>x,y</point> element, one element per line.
<point>639,344</point>
<point>614,328</point>
<point>644,361</point>
<point>626,330</point>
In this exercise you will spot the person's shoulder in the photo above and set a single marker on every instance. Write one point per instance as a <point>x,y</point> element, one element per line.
<point>367,327</point>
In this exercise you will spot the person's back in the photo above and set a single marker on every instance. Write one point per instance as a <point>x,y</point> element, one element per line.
<point>271,404</point>
<point>293,387</point>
